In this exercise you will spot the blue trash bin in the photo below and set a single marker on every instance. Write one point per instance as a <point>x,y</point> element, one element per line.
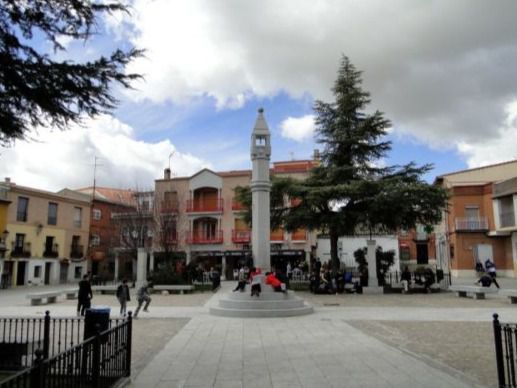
<point>96,315</point>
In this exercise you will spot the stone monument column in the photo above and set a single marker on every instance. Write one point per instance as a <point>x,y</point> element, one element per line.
<point>260,190</point>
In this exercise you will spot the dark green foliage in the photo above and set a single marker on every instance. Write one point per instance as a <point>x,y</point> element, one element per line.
<point>348,190</point>
<point>166,275</point>
<point>35,89</point>
<point>384,259</point>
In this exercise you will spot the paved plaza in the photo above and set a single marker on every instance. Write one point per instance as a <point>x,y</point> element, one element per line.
<point>435,340</point>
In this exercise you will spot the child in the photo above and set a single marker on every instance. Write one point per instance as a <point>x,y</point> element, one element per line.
<point>123,296</point>
<point>143,296</point>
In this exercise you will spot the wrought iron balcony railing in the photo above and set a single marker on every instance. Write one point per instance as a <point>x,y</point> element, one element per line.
<point>197,206</point>
<point>194,237</point>
<point>241,236</point>
<point>471,224</point>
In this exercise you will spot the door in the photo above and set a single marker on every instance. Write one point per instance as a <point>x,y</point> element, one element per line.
<point>482,253</point>
<point>20,276</point>
<point>48,267</point>
<point>63,273</point>
<point>422,255</point>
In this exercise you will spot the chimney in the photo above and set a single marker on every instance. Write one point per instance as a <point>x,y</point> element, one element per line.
<point>167,173</point>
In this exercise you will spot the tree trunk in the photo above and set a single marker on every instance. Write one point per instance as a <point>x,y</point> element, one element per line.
<point>334,257</point>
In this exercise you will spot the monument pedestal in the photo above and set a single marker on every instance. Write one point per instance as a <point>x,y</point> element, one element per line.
<point>269,304</point>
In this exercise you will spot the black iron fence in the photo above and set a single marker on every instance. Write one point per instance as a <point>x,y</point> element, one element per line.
<point>99,361</point>
<point>20,337</point>
<point>505,340</point>
<point>442,278</point>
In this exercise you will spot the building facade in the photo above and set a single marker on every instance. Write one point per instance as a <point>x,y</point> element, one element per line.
<point>474,224</point>
<point>200,220</point>
<point>47,237</point>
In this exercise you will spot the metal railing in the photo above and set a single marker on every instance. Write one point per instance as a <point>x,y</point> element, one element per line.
<point>20,337</point>
<point>99,361</point>
<point>471,224</point>
<point>505,340</point>
<point>392,278</point>
<point>76,251</point>
<point>199,206</point>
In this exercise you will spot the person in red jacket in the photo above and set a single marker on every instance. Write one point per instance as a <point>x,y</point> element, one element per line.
<point>273,281</point>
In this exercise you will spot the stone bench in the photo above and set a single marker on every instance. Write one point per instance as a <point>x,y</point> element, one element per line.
<point>71,293</point>
<point>182,288</point>
<point>477,292</point>
<point>111,289</point>
<point>511,294</point>
<point>37,297</point>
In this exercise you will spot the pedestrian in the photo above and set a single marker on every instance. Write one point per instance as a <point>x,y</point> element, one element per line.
<point>123,296</point>
<point>256,279</point>
<point>289,271</point>
<point>485,280</point>
<point>143,296</point>
<point>405,279</point>
<point>84,295</point>
<point>241,284</point>
<point>215,277</point>
<point>274,282</point>
<point>490,268</point>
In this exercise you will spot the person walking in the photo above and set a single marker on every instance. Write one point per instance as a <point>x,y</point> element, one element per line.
<point>84,296</point>
<point>490,268</point>
<point>143,296</point>
<point>123,296</point>
<point>405,279</point>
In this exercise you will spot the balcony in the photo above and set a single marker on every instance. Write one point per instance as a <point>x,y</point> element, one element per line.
<point>237,206</point>
<point>76,251</point>
<point>21,250</point>
<point>277,235</point>
<point>205,238</point>
<point>51,251</point>
<point>241,236</point>
<point>169,207</point>
<point>507,219</point>
<point>471,224</point>
<point>197,206</point>
<point>299,235</point>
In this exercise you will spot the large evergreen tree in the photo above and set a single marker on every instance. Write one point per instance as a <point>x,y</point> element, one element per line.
<point>349,190</point>
<point>38,90</point>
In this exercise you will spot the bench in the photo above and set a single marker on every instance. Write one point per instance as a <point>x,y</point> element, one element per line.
<point>112,289</point>
<point>478,292</point>
<point>511,294</point>
<point>182,288</point>
<point>71,293</point>
<point>37,298</point>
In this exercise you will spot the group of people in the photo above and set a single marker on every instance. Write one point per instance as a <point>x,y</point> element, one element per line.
<point>487,274</point>
<point>426,278</point>
<point>325,281</point>
<point>85,296</point>
<point>255,278</point>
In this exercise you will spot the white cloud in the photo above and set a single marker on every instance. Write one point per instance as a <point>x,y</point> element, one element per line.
<point>66,159</point>
<point>442,85</point>
<point>502,146</point>
<point>298,128</point>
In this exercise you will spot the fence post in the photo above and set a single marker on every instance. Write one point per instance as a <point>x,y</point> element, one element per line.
<point>36,376</point>
<point>129,337</point>
<point>498,350</point>
<point>46,335</point>
<point>96,357</point>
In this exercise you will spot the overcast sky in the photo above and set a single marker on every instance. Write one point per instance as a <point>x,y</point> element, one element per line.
<point>444,73</point>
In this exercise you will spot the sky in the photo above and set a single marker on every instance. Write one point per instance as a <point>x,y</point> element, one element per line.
<point>443,72</point>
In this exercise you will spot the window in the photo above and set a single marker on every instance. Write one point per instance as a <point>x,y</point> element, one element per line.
<point>52,213</point>
<point>78,215</point>
<point>78,272</point>
<point>472,212</point>
<point>19,242</point>
<point>37,271</point>
<point>97,214</point>
<point>95,240</point>
<point>23,206</point>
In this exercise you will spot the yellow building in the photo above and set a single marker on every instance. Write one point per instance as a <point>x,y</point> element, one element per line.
<point>47,236</point>
<point>4,204</point>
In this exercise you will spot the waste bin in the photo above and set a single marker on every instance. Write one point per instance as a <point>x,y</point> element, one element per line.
<point>96,315</point>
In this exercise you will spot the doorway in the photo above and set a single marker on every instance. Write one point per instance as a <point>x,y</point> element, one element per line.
<point>422,254</point>
<point>48,267</point>
<point>63,273</point>
<point>20,275</point>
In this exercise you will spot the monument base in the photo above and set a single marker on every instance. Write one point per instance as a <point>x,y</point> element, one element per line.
<point>373,290</point>
<point>269,304</point>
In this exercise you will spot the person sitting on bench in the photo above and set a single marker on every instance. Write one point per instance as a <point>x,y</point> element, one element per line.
<point>485,280</point>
